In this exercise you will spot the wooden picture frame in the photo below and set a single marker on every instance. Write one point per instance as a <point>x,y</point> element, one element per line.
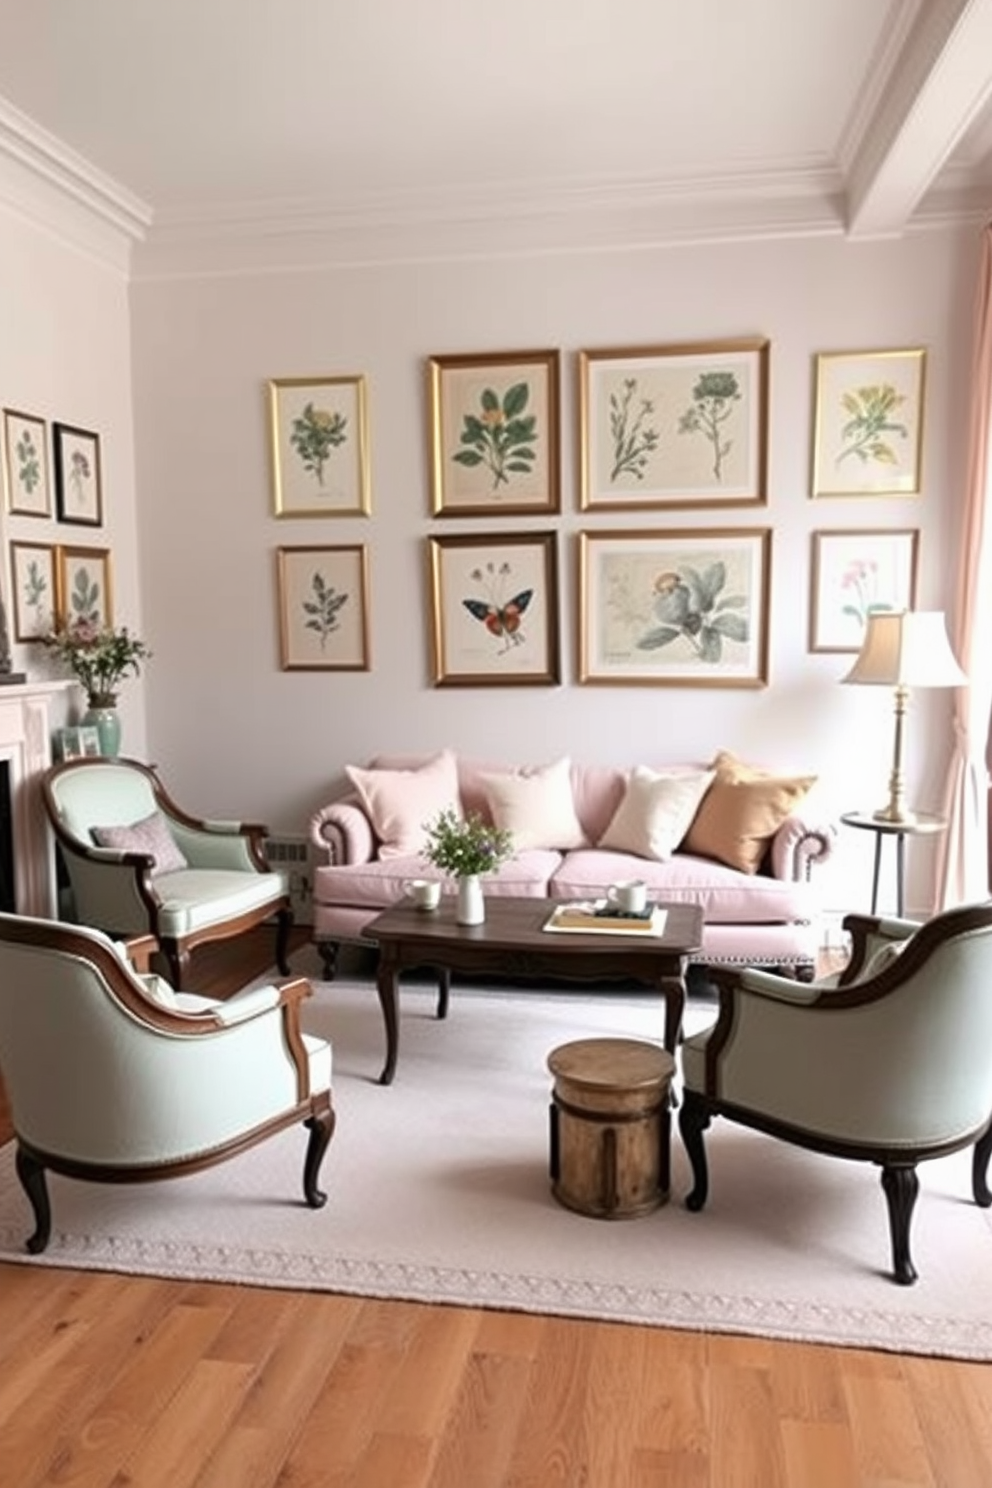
<point>494,610</point>
<point>25,464</point>
<point>495,434</point>
<point>854,574</point>
<point>868,423</point>
<point>78,480</point>
<point>34,589</point>
<point>676,608</point>
<point>318,430</point>
<point>674,426</point>
<point>84,586</point>
<point>323,599</point>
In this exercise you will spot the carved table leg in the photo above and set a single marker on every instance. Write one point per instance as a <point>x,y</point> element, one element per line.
<point>387,986</point>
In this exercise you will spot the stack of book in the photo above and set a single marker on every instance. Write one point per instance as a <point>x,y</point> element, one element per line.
<point>595,916</point>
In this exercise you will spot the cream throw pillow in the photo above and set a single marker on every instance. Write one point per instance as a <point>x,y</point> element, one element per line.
<point>402,803</point>
<point>742,811</point>
<point>656,812</point>
<point>150,835</point>
<point>536,806</point>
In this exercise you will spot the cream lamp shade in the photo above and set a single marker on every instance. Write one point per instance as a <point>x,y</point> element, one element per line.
<point>903,649</point>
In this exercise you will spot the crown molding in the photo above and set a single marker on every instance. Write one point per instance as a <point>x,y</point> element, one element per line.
<point>509,222</point>
<point>48,184</point>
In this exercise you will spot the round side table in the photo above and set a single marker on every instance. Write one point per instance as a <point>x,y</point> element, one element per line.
<point>922,825</point>
<point>610,1126</point>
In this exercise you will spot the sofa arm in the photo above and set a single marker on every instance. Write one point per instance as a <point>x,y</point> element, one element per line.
<point>342,833</point>
<point>799,845</point>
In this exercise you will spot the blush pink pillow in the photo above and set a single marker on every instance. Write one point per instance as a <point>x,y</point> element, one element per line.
<point>150,835</point>
<point>401,803</point>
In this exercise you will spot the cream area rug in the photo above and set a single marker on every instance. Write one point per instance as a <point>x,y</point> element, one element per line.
<point>438,1191</point>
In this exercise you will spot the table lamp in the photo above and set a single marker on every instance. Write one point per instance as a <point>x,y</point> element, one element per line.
<point>904,649</point>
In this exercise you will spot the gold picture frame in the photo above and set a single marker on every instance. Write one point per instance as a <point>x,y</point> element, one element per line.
<point>677,608</point>
<point>34,588</point>
<point>318,431</point>
<point>494,608</point>
<point>84,586</point>
<point>495,434</point>
<point>674,426</point>
<point>25,464</point>
<point>323,601</point>
<point>854,574</point>
<point>868,423</point>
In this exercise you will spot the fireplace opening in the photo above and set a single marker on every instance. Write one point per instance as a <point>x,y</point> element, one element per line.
<point>8,895</point>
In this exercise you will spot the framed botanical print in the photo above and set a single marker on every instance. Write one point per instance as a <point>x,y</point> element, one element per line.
<point>868,423</point>
<point>854,575</point>
<point>494,434</point>
<point>84,586</point>
<point>323,608</point>
<point>33,578</point>
<point>671,426</point>
<point>675,608</point>
<point>25,461</point>
<point>494,607</point>
<point>78,489</point>
<point>320,446</point>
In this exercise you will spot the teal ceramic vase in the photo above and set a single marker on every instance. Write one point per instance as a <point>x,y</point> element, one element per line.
<point>102,715</point>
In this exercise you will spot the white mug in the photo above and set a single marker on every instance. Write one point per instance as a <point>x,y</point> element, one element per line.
<point>631,894</point>
<point>425,892</point>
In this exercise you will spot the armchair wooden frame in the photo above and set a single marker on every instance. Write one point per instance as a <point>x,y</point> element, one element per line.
<point>102,878</point>
<point>897,1160</point>
<point>313,1109</point>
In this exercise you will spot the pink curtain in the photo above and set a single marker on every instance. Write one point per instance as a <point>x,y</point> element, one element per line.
<point>963,868</point>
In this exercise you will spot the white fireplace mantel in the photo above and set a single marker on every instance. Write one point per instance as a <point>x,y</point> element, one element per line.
<point>26,746</point>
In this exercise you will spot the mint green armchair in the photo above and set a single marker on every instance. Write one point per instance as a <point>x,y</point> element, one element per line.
<point>140,865</point>
<point>889,1063</point>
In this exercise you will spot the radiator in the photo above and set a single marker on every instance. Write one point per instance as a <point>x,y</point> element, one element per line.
<point>291,856</point>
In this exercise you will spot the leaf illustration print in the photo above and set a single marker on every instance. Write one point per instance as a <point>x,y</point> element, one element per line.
<point>322,610</point>
<point>688,605</point>
<point>871,423</point>
<point>28,463</point>
<point>713,400</point>
<point>500,436</point>
<point>85,598</point>
<point>501,616</point>
<point>314,434</point>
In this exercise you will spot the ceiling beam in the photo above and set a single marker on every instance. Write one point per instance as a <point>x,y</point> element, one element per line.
<point>941,81</point>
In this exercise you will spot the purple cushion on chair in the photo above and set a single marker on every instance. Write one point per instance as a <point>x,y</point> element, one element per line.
<point>150,835</point>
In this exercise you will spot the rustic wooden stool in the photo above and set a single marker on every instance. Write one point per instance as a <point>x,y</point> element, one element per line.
<point>610,1126</point>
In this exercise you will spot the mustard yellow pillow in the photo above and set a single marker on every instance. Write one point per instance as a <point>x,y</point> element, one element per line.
<point>741,812</point>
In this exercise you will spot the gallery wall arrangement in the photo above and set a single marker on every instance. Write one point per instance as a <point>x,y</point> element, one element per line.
<point>660,428</point>
<point>54,583</point>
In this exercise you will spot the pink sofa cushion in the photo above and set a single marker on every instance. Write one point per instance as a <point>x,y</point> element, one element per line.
<point>380,883</point>
<point>401,802</point>
<point>724,894</point>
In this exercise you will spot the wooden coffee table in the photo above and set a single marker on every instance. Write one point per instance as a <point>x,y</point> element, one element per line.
<point>512,942</point>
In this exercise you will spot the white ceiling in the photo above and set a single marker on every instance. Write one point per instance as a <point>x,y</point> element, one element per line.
<point>870,111</point>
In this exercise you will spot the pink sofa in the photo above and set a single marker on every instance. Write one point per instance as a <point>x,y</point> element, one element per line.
<point>768,918</point>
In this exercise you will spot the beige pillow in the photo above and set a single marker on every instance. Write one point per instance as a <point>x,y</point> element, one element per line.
<point>150,835</point>
<point>402,803</point>
<point>742,811</point>
<point>656,812</point>
<point>536,806</point>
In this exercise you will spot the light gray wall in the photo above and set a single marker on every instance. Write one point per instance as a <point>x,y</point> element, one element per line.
<point>238,736</point>
<point>65,355</point>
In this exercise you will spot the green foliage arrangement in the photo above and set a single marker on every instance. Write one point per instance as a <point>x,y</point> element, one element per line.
<point>465,845</point>
<point>314,434</point>
<point>99,657</point>
<point>501,435</point>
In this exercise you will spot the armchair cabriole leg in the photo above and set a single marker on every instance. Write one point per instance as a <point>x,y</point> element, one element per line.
<point>694,1118</point>
<point>284,924</point>
<point>321,1128</point>
<point>980,1169</point>
<point>32,1176</point>
<point>178,959</point>
<point>901,1187</point>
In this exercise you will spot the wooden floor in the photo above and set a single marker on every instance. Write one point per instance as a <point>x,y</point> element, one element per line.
<point>130,1382</point>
